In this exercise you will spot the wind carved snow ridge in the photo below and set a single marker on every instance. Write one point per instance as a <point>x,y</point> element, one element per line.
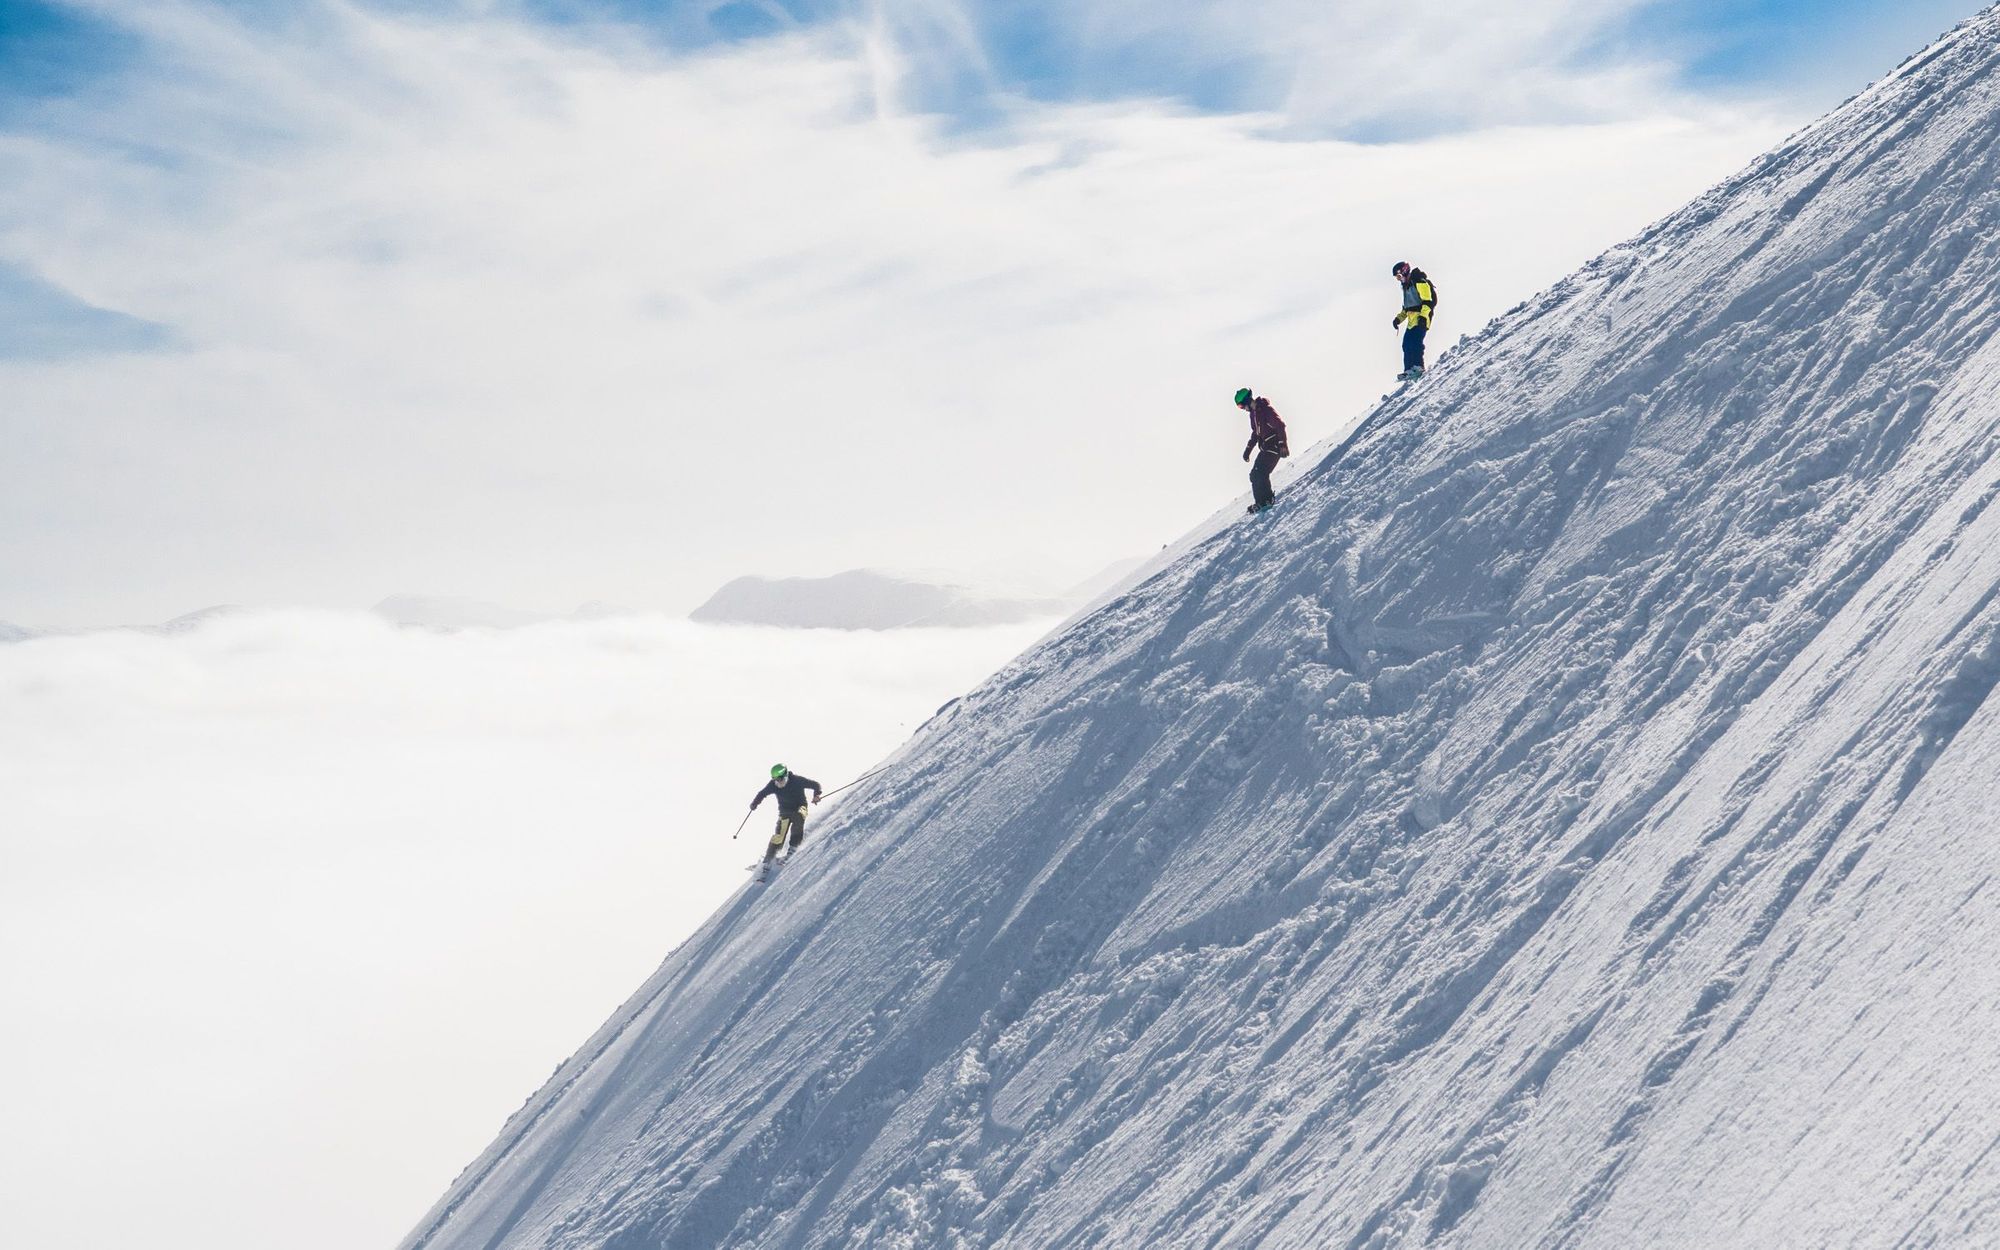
<point>1565,821</point>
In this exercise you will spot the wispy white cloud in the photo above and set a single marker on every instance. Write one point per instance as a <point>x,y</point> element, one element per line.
<point>46,323</point>
<point>1356,67</point>
<point>474,306</point>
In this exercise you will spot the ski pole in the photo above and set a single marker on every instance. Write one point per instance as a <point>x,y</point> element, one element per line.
<point>857,781</point>
<point>740,824</point>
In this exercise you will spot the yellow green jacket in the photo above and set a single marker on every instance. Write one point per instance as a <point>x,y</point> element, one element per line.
<point>1418,301</point>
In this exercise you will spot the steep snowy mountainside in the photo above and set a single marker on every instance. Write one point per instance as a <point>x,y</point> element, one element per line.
<point>1565,821</point>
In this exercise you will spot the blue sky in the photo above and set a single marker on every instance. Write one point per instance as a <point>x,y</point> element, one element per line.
<point>1815,51</point>
<point>1820,51</point>
<point>47,51</point>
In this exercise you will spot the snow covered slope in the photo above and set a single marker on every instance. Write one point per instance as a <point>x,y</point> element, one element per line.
<point>1566,820</point>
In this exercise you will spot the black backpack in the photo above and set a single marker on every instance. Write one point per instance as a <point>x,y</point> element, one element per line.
<point>1418,275</point>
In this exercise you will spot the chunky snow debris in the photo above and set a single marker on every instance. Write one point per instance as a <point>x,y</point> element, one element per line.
<point>1568,820</point>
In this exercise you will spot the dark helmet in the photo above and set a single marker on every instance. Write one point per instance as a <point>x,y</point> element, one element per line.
<point>1399,268</point>
<point>1242,397</point>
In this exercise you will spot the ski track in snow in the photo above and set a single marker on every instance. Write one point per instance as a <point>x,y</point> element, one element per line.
<point>1567,820</point>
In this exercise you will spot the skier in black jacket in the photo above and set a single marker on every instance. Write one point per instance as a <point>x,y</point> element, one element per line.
<point>791,791</point>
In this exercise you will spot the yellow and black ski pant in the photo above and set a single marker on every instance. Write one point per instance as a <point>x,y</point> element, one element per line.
<point>791,825</point>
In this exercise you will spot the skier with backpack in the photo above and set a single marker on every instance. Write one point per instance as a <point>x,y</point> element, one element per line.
<point>1267,437</point>
<point>1419,301</point>
<point>790,790</point>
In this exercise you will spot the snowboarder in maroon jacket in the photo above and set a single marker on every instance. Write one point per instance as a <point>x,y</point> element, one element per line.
<point>1267,438</point>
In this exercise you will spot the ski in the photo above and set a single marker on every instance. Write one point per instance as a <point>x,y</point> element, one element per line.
<point>767,868</point>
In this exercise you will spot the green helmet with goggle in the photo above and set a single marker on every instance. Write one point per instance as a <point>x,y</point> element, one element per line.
<point>778,772</point>
<point>1243,397</point>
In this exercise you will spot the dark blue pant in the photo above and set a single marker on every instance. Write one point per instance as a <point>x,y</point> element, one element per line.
<point>1413,347</point>
<point>1260,477</point>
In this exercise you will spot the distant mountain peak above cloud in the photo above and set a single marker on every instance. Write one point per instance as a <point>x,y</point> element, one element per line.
<point>865,599</point>
<point>194,620</point>
<point>185,623</point>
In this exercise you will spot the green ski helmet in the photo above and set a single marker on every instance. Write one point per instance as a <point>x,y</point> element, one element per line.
<point>778,772</point>
<point>1242,397</point>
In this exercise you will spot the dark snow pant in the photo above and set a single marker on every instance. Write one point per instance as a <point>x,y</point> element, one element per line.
<point>1260,477</point>
<point>1413,347</point>
<point>791,823</point>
